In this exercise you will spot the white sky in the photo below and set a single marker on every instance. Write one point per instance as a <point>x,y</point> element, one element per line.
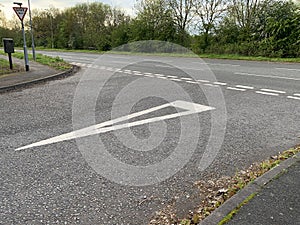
<point>6,5</point>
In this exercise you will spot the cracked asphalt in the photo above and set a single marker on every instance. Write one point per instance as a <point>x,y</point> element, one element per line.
<point>56,183</point>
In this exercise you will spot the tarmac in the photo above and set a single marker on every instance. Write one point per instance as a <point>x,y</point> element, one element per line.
<point>277,199</point>
<point>38,73</point>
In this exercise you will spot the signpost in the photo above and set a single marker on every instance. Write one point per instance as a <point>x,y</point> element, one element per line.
<point>21,12</point>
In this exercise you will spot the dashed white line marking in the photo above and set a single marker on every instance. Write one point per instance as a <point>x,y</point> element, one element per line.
<point>235,89</point>
<point>220,83</point>
<point>159,75</point>
<point>275,91</point>
<point>148,75</point>
<point>288,69</point>
<point>172,76</point>
<point>186,78</point>
<point>162,78</point>
<point>128,72</point>
<point>267,76</point>
<point>192,82</point>
<point>297,94</point>
<point>266,93</point>
<point>245,87</point>
<point>176,79</point>
<point>293,97</point>
<point>211,85</point>
<point>203,81</point>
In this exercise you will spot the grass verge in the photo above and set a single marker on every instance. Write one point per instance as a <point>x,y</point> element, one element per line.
<point>56,63</point>
<point>188,55</point>
<point>216,191</point>
<point>5,67</point>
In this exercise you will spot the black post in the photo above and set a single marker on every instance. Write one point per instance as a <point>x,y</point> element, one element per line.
<point>10,61</point>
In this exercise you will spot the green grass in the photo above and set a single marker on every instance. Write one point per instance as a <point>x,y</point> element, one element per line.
<point>5,67</point>
<point>227,218</point>
<point>56,63</point>
<point>188,55</point>
<point>249,58</point>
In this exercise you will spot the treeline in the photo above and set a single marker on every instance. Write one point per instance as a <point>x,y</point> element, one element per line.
<point>248,27</point>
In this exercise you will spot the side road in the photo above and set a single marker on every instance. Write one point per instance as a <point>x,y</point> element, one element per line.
<point>38,73</point>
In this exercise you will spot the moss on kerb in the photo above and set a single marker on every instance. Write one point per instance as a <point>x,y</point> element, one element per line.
<point>227,218</point>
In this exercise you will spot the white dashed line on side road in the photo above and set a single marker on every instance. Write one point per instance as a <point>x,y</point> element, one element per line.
<point>203,81</point>
<point>266,93</point>
<point>211,85</point>
<point>192,82</point>
<point>288,69</point>
<point>245,87</point>
<point>236,89</point>
<point>274,91</point>
<point>293,97</point>
<point>186,78</point>
<point>220,83</point>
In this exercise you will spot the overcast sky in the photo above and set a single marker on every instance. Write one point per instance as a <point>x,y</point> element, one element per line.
<point>6,5</point>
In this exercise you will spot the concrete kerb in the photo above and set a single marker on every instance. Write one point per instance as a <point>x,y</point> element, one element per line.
<point>256,186</point>
<point>63,74</point>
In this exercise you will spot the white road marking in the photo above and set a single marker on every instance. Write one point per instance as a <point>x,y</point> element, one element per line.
<point>297,95</point>
<point>160,75</point>
<point>267,76</point>
<point>148,75</point>
<point>245,87</point>
<point>190,108</point>
<point>172,76</point>
<point>186,78</point>
<point>192,82</point>
<point>174,79</point>
<point>235,89</point>
<point>267,93</point>
<point>275,91</point>
<point>203,81</point>
<point>211,85</point>
<point>288,69</point>
<point>162,78</point>
<point>293,97</point>
<point>220,83</point>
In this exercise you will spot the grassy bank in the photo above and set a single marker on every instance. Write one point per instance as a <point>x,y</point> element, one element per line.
<point>5,67</point>
<point>56,63</point>
<point>189,55</point>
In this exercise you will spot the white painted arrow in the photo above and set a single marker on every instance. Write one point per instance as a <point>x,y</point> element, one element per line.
<point>191,108</point>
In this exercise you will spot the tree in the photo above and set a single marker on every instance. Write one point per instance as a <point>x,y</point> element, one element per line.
<point>154,21</point>
<point>182,12</point>
<point>209,13</point>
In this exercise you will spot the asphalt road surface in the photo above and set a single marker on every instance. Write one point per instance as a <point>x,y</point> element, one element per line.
<point>185,120</point>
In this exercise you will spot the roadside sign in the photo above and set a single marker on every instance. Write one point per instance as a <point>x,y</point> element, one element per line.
<point>21,12</point>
